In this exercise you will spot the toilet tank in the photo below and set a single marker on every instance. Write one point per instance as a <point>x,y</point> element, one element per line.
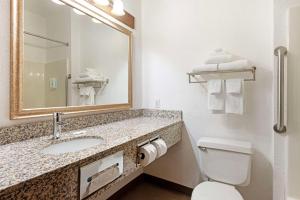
<point>226,161</point>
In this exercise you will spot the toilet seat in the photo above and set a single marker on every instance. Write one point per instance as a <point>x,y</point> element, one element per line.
<point>215,191</point>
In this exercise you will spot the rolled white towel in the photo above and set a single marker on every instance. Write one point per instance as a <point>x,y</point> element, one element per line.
<point>88,79</point>
<point>220,58</point>
<point>238,64</point>
<point>91,76</point>
<point>84,75</point>
<point>88,72</point>
<point>206,67</point>
<point>218,50</point>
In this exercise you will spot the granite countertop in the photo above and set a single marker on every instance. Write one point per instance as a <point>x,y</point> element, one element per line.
<point>22,161</point>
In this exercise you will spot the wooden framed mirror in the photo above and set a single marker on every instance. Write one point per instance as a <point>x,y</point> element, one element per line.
<point>67,57</point>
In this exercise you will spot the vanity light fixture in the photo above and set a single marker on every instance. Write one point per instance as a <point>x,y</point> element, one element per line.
<point>96,21</point>
<point>58,2</point>
<point>102,2</point>
<point>78,12</point>
<point>118,8</point>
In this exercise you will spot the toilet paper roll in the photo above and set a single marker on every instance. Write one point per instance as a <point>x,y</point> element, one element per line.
<point>149,153</point>
<point>161,147</point>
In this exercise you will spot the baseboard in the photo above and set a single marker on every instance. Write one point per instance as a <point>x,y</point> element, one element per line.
<point>168,184</point>
<point>151,179</point>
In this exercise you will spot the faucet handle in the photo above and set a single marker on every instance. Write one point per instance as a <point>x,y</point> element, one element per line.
<point>57,122</point>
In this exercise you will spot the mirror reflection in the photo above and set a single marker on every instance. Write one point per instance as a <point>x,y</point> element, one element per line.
<point>72,59</point>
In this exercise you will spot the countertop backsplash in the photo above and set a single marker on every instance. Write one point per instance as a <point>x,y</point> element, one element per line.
<point>31,130</point>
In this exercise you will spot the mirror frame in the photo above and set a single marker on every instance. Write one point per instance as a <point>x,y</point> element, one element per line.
<point>16,62</point>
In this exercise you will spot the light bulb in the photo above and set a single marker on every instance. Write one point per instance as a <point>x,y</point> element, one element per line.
<point>78,12</point>
<point>96,21</point>
<point>118,8</point>
<point>102,2</point>
<point>58,2</point>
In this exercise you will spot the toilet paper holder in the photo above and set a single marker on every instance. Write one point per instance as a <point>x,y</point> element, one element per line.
<point>140,155</point>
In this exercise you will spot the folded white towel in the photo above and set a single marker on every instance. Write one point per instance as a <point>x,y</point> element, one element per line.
<point>220,58</point>
<point>234,100</point>
<point>88,72</point>
<point>234,86</point>
<point>84,75</point>
<point>206,67</point>
<point>214,86</point>
<point>218,50</point>
<point>238,64</point>
<point>85,90</point>
<point>216,100</point>
<point>87,95</point>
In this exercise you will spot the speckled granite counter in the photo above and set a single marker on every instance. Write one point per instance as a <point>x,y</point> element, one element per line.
<point>22,163</point>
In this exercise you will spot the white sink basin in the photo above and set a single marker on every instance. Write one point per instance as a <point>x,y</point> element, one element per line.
<point>72,145</point>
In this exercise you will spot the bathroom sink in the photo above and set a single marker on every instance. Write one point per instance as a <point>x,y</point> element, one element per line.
<point>72,145</point>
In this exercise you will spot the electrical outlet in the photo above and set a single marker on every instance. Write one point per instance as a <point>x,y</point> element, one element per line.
<point>53,83</point>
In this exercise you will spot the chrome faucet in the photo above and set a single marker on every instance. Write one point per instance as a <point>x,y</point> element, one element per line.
<point>57,122</point>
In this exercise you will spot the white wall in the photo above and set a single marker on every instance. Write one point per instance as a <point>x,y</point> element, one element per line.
<point>4,62</point>
<point>281,146</point>
<point>176,35</point>
<point>134,7</point>
<point>293,105</point>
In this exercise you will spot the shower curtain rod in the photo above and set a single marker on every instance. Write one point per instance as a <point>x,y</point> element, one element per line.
<point>45,38</point>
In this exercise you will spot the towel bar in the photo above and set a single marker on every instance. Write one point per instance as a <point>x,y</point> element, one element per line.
<point>249,75</point>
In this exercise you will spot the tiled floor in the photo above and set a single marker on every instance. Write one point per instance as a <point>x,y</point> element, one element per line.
<point>149,191</point>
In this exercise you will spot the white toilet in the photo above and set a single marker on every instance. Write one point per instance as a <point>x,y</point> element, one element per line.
<point>226,164</point>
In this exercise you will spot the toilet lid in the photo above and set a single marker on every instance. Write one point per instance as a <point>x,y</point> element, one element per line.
<point>215,191</point>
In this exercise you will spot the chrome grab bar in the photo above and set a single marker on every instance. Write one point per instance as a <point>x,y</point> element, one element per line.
<point>280,52</point>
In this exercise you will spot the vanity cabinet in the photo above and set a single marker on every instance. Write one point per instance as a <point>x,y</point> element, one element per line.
<point>64,183</point>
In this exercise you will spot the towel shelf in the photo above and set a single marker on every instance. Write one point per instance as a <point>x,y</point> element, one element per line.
<point>95,84</point>
<point>204,76</point>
